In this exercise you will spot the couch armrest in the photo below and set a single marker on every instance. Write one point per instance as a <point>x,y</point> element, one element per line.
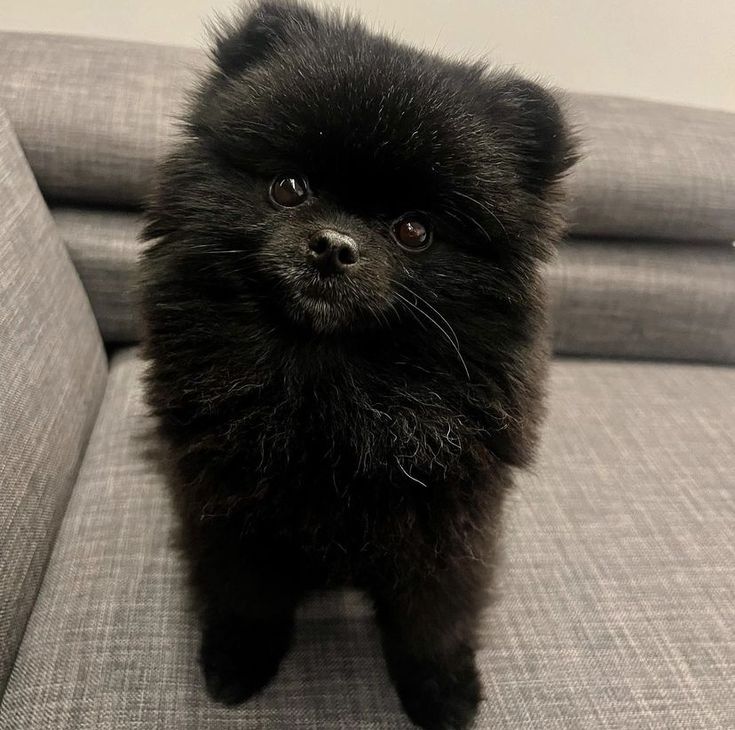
<point>52,375</point>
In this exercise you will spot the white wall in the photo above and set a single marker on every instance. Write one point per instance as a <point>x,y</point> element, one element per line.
<point>673,50</point>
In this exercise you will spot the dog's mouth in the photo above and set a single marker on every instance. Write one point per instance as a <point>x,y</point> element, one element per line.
<point>328,290</point>
<point>326,307</point>
<point>330,304</point>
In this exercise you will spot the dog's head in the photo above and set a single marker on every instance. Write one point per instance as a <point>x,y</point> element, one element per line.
<point>346,183</point>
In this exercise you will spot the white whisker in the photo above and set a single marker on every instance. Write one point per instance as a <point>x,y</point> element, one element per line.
<point>433,309</point>
<point>484,207</point>
<point>454,345</point>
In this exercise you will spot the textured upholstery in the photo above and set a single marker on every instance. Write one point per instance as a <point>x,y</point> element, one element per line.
<point>104,246</point>
<point>652,170</point>
<point>617,585</point>
<point>611,298</point>
<point>52,373</point>
<point>614,603</point>
<point>92,116</point>
<point>665,300</point>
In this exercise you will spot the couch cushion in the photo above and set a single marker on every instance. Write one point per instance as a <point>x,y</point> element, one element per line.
<point>104,246</point>
<point>665,300</point>
<point>93,115</point>
<point>614,605</point>
<point>610,298</point>
<point>52,374</point>
<point>652,170</point>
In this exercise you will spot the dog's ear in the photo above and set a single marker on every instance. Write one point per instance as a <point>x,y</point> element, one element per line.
<point>259,29</point>
<point>531,116</point>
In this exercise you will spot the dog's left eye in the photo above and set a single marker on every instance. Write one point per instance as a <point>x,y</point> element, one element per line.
<point>412,231</point>
<point>289,191</point>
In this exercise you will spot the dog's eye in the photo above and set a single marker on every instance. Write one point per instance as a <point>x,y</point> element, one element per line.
<point>413,232</point>
<point>289,191</point>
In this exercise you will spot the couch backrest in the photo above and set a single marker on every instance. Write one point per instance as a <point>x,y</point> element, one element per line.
<point>653,171</point>
<point>649,271</point>
<point>52,375</point>
<point>94,115</point>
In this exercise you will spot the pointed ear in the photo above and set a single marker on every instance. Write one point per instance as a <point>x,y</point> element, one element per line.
<point>258,30</point>
<point>534,121</point>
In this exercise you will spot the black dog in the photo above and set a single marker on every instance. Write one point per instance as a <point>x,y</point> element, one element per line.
<point>345,322</point>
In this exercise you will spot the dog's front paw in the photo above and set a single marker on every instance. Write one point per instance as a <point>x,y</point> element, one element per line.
<point>240,658</point>
<point>441,697</point>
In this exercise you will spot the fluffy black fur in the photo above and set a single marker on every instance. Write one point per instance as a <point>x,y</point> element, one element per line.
<point>365,434</point>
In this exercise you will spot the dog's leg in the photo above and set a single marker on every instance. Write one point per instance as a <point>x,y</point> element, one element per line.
<point>429,639</point>
<point>248,604</point>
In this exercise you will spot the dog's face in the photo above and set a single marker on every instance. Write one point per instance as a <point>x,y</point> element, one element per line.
<point>347,183</point>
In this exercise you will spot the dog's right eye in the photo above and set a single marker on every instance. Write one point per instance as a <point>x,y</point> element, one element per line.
<point>412,231</point>
<point>288,191</point>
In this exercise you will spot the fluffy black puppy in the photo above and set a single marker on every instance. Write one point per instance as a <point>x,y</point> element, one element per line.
<point>346,332</point>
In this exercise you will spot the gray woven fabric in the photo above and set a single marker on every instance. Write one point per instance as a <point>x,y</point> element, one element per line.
<point>666,300</point>
<point>104,246</point>
<point>112,641</point>
<point>52,373</point>
<point>616,593</point>
<point>653,170</point>
<point>610,298</point>
<point>92,115</point>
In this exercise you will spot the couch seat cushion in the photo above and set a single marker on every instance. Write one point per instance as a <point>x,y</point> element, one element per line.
<point>615,599</point>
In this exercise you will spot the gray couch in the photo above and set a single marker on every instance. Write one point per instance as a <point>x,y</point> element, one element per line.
<point>616,598</point>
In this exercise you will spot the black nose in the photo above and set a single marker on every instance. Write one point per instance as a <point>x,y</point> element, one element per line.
<point>333,252</point>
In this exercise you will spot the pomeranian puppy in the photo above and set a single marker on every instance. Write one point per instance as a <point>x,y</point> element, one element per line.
<point>345,322</point>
